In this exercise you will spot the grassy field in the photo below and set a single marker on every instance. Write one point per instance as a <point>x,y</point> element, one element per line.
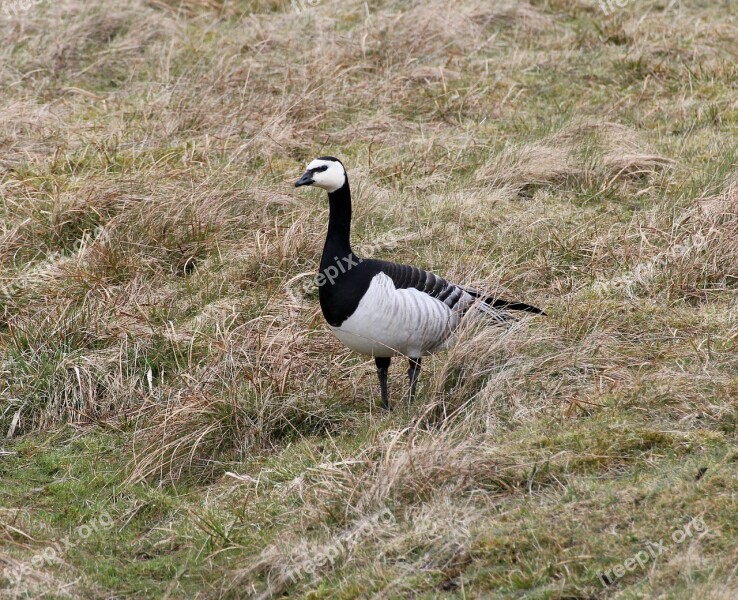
<point>176,421</point>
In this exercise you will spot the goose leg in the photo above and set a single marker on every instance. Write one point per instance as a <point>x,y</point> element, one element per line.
<point>413,373</point>
<point>383,364</point>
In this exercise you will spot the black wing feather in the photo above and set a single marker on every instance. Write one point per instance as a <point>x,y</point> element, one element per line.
<point>405,276</point>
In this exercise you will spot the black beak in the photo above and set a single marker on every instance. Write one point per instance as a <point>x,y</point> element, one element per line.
<point>306,179</point>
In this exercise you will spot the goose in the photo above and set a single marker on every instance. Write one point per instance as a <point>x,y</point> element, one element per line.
<point>384,309</point>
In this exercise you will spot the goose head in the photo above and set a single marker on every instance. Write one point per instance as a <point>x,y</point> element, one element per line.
<point>325,172</point>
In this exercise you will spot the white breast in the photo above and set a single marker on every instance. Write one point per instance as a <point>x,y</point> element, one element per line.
<point>389,321</point>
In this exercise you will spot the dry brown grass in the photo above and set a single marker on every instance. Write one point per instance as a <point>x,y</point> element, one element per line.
<point>154,254</point>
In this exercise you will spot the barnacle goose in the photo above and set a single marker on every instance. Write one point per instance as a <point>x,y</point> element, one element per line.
<point>384,309</point>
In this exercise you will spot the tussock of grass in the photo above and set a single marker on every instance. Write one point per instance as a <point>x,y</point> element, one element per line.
<point>163,358</point>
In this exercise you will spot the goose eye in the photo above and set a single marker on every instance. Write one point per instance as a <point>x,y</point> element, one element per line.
<point>320,169</point>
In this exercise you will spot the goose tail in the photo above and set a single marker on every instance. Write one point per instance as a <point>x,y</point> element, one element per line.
<point>501,304</point>
<point>499,308</point>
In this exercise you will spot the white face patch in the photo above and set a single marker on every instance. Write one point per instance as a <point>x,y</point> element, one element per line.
<point>330,179</point>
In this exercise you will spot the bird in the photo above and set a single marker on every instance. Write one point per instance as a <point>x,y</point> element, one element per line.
<point>384,309</point>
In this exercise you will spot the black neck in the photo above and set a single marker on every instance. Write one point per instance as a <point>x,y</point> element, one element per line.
<point>337,241</point>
